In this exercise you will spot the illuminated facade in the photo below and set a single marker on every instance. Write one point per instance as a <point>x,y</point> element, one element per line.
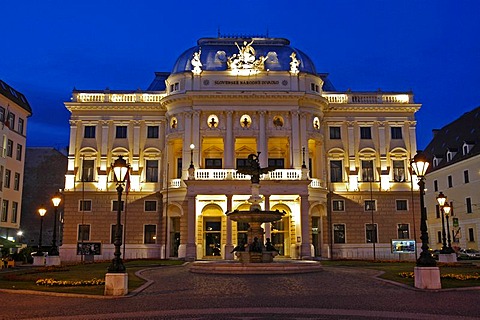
<point>340,158</point>
<point>14,111</point>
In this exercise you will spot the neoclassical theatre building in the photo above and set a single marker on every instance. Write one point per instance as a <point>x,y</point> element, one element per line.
<point>339,160</point>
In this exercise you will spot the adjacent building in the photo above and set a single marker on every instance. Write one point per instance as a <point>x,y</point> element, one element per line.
<point>339,159</point>
<point>14,111</point>
<point>454,155</point>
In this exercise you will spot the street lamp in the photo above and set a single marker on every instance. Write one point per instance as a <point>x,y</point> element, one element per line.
<point>419,166</point>
<point>192,146</point>
<point>441,203</point>
<point>120,169</point>
<point>41,212</point>
<point>56,199</point>
<point>447,209</point>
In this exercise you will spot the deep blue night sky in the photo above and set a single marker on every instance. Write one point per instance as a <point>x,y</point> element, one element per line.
<point>429,47</point>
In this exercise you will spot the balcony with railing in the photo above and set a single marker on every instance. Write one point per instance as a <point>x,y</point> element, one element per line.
<point>368,98</point>
<point>116,97</point>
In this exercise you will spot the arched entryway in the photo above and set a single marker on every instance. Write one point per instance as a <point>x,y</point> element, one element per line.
<point>211,237</point>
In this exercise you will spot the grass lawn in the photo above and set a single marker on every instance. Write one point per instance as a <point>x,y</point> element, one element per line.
<point>392,270</point>
<point>25,278</point>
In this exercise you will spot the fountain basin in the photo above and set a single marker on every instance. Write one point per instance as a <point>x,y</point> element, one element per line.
<point>277,267</point>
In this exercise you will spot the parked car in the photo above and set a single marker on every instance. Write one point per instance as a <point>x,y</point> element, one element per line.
<point>465,254</point>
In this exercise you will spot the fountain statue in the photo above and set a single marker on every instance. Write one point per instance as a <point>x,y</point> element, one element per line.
<point>255,250</point>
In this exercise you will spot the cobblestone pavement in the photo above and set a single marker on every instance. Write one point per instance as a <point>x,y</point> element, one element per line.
<point>335,293</point>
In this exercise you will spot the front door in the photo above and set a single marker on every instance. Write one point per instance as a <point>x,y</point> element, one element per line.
<point>212,236</point>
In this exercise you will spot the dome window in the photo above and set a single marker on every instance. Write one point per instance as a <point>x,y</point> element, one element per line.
<point>316,123</point>
<point>278,122</point>
<point>173,123</point>
<point>212,121</point>
<point>245,121</point>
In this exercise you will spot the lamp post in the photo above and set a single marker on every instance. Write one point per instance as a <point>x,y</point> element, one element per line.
<point>120,169</point>
<point>191,168</point>
<point>56,199</point>
<point>41,212</point>
<point>447,209</point>
<point>419,166</point>
<point>441,203</point>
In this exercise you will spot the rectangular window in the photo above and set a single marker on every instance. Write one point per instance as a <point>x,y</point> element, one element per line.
<point>338,205</point>
<point>83,232</point>
<point>401,205</point>
<point>370,205</point>
<point>1,178</point>
<point>371,233</point>
<point>115,205</point>
<point>150,205</point>
<point>4,210</point>
<point>8,174</point>
<point>88,170</point>
<point>20,126</point>
<point>276,163</point>
<point>213,163</point>
<point>9,148</point>
<point>398,171</point>
<point>114,230</point>
<point>450,181</point>
<point>336,174</point>
<point>14,211</point>
<point>85,205</point>
<point>338,233</point>
<point>466,178</point>
<point>468,202</point>
<point>179,168</point>
<point>396,132</point>
<point>19,152</point>
<point>435,185</point>
<point>335,133</point>
<point>150,234</point>
<point>152,132</point>
<point>16,181</point>
<point>366,133</point>
<point>2,114</point>
<point>151,174</point>
<point>439,236</point>
<point>11,120</point>
<point>121,132</point>
<point>402,231</point>
<point>471,235</point>
<point>242,163</point>
<point>367,171</point>
<point>437,211</point>
<point>89,132</point>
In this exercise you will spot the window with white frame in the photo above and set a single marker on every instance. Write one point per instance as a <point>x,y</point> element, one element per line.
<point>365,133</point>
<point>338,205</point>
<point>402,231</point>
<point>338,233</point>
<point>371,235</point>
<point>85,205</point>
<point>83,232</point>
<point>370,205</point>
<point>401,205</point>
<point>150,234</point>
<point>151,172</point>
<point>398,170</point>
<point>88,167</point>
<point>396,132</point>
<point>367,171</point>
<point>150,205</point>
<point>336,174</point>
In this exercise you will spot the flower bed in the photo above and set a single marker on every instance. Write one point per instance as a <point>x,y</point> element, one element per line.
<point>50,282</point>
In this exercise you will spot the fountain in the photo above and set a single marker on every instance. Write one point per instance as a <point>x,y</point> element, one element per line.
<point>254,257</point>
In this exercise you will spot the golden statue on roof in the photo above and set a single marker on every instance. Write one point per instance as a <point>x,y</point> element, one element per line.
<point>245,58</point>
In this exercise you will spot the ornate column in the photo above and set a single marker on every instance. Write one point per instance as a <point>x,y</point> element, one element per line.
<point>191,247</point>
<point>295,146</point>
<point>305,249</point>
<point>187,141</point>
<point>195,134</point>
<point>229,143</point>
<point>262,139</point>
<point>229,245</point>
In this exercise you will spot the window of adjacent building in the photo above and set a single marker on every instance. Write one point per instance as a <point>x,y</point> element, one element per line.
<point>213,163</point>
<point>121,132</point>
<point>439,236</point>
<point>8,174</point>
<point>150,205</point>
<point>150,233</point>
<point>435,185</point>
<point>396,132</point>
<point>83,232</point>
<point>19,152</point>
<point>2,114</point>
<point>338,205</point>
<point>367,170</point>
<point>151,173</point>
<point>471,235</point>
<point>14,211</point>
<point>9,148</point>
<point>88,170</point>
<point>276,163</point>
<point>115,205</point>
<point>398,171</point>
<point>16,181</point>
<point>402,231</point>
<point>85,205</point>
<point>371,233</point>
<point>11,120</point>
<point>450,181</point>
<point>401,205</point>
<point>468,202</point>
<point>365,133</point>
<point>113,232</point>
<point>1,178</point>
<point>4,210</point>
<point>89,132</point>
<point>338,233</point>
<point>466,178</point>
<point>336,174</point>
<point>370,205</point>
<point>335,133</point>
<point>179,168</point>
<point>152,132</point>
<point>437,211</point>
<point>20,125</point>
